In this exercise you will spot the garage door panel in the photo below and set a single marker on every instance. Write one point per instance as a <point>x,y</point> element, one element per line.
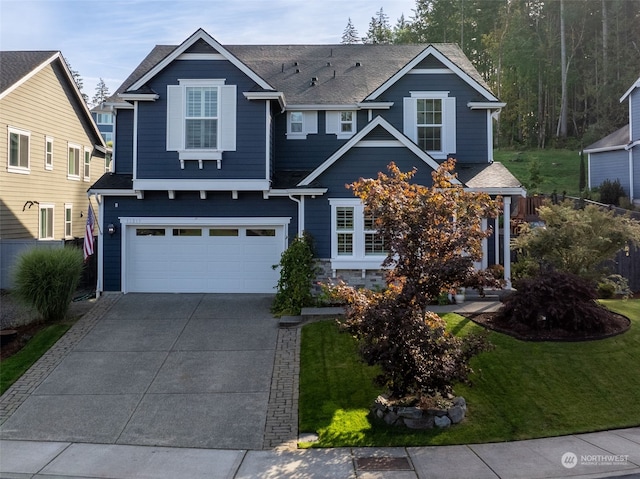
<point>222,259</point>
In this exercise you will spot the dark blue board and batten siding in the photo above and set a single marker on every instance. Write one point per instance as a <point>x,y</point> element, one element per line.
<point>355,164</point>
<point>157,204</point>
<point>123,158</point>
<point>249,159</point>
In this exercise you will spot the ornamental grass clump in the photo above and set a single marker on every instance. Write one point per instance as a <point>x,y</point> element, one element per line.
<point>47,278</point>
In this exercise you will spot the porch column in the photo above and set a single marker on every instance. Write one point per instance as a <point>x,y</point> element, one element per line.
<point>485,245</point>
<point>507,240</point>
<point>496,240</point>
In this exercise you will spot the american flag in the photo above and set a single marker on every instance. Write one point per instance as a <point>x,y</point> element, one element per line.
<point>88,234</point>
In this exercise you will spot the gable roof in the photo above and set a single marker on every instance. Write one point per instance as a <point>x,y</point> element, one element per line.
<point>378,121</point>
<point>318,74</point>
<point>617,140</point>
<point>628,92</point>
<point>17,67</point>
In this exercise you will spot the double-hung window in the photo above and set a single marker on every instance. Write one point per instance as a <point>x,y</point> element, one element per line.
<point>341,123</point>
<point>48,153</point>
<point>301,123</point>
<point>46,222</point>
<point>18,161</point>
<point>430,121</point>
<point>68,226</point>
<point>355,242</point>
<point>73,171</point>
<point>201,119</point>
<point>87,165</point>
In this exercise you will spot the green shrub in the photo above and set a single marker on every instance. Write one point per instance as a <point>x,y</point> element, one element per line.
<point>296,276</point>
<point>611,192</point>
<point>606,290</point>
<point>46,279</point>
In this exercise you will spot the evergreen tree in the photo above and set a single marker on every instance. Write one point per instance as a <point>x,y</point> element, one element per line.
<point>78,79</point>
<point>102,93</point>
<point>350,34</point>
<point>379,29</point>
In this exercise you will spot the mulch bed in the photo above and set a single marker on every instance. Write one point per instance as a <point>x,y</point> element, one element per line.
<point>17,342</point>
<point>617,324</point>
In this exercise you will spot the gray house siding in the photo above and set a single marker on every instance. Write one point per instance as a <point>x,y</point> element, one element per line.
<point>610,165</point>
<point>634,104</point>
<point>157,204</point>
<point>247,162</point>
<point>124,142</point>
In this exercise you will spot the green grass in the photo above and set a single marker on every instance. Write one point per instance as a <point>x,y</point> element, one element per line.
<point>15,366</point>
<point>559,169</point>
<point>519,390</point>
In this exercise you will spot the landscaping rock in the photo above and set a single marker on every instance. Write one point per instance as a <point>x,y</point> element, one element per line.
<point>410,412</point>
<point>425,422</point>
<point>456,414</point>
<point>460,401</point>
<point>391,418</point>
<point>442,422</point>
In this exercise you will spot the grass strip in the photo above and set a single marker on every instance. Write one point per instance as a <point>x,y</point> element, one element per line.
<point>15,366</point>
<point>519,390</point>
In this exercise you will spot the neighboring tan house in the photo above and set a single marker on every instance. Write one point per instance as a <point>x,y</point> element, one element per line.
<point>50,153</point>
<point>617,156</point>
<point>224,154</point>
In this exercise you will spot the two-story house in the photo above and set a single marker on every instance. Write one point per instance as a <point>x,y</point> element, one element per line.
<point>223,154</point>
<point>50,150</point>
<point>617,156</point>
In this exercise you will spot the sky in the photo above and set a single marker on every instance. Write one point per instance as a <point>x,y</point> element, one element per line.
<point>108,38</point>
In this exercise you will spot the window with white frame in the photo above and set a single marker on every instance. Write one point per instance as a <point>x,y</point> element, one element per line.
<point>301,123</point>
<point>73,170</point>
<point>68,215</point>
<point>107,136</point>
<point>48,153</point>
<point>355,242</point>
<point>18,161</point>
<point>430,121</point>
<point>104,118</point>
<point>87,164</point>
<point>46,222</point>
<point>341,123</point>
<point>201,119</point>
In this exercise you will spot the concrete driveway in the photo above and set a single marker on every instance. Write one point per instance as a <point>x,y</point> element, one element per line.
<point>181,370</point>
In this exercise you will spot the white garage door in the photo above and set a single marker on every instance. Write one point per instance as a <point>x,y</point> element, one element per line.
<point>203,258</point>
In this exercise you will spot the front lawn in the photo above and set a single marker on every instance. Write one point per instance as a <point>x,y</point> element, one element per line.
<point>519,390</point>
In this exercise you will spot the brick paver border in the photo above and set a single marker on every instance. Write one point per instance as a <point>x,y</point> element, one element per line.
<point>23,387</point>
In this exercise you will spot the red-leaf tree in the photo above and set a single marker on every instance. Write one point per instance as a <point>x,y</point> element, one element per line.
<point>432,236</point>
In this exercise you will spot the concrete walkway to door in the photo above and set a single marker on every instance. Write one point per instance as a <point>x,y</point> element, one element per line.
<point>187,370</point>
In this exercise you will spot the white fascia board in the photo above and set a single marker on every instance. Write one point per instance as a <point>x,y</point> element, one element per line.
<point>139,96</point>
<point>485,105</point>
<point>632,145</point>
<point>628,92</point>
<point>267,95</point>
<point>512,191</point>
<point>431,50</point>
<point>218,221</point>
<point>298,192</point>
<point>376,105</point>
<point>200,185</point>
<point>105,192</point>
<point>31,74</point>
<point>200,34</point>
<point>355,139</point>
<point>606,148</point>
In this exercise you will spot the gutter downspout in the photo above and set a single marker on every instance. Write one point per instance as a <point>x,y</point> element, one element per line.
<point>300,213</point>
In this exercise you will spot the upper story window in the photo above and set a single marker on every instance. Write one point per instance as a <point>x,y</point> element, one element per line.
<point>107,136</point>
<point>430,121</point>
<point>46,221</point>
<point>87,164</point>
<point>104,118</point>
<point>341,123</point>
<point>201,119</point>
<point>73,171</point>
<point>48,153</point>
<point>68,215</point>
<point>18,161</point>
<point>301,123</point>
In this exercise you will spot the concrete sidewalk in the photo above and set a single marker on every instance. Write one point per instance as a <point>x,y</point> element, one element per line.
<point>59,421</point>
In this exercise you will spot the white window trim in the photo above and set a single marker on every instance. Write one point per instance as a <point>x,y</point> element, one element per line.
<point>68,207</point>
<point>80,161</point>
<point>46,206</point>
<point>449,125</point>
<point>333,121</point>
<point>358,260</point>
<point>176,119</point>
<point>86,164</point>
<point>309,125</point>
<point>48,165</point>
<point>18,169</point>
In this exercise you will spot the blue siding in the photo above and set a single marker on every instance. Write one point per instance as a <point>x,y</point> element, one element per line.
<point>609,165</point>
<point>187,204</point>
<point>355,164</point>
<point>124,142</point>
<point>247,162</point>
<point>471,137</point>
<point>634,104</point>
<point>636,172</point>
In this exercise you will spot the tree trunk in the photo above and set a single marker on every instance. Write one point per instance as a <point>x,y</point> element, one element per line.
<point>564,102</point>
